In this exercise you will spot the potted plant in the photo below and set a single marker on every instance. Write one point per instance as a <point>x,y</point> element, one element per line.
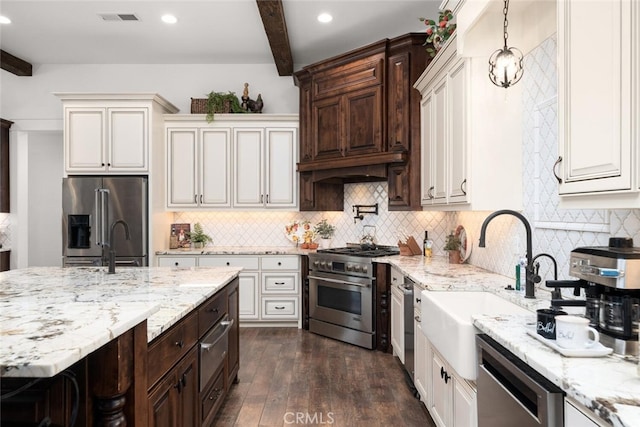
<point>452,245</point>
<point>198,237</point>
<point>219,102</point>
<point>325,231</point>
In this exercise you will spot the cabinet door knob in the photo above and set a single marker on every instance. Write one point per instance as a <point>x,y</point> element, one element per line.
<point>279,263</point>
<point>228,263</point>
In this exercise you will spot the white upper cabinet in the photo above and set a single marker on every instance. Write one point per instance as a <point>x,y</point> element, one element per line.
<point>598,104</point>
<point>109,133</point>
<point>199,164</point>
<point>471,139</point>
<point>237,161</point>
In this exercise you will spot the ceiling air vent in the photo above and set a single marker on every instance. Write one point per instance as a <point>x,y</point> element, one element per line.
<point>118,17</point>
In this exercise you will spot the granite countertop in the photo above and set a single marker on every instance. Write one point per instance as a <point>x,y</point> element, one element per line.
<point>239,250</point>
<point>51,317</point>
<point>609,385</point>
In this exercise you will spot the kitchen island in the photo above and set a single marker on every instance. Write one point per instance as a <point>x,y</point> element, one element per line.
<point>101,328</point>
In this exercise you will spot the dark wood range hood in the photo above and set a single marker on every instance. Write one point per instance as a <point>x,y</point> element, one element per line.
<point>360,122</point>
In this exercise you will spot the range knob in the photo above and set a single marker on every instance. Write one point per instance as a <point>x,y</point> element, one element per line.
<point>364,269</point>
<point>323,264</point>
<point>349,267</point>
<point>356,268</point>
<point>316,264</point>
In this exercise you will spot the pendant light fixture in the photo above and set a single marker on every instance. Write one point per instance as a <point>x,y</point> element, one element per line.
<point>505,65</point>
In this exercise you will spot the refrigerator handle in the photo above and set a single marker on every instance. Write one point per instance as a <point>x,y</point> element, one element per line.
<point>105,216</point>
<point>98,215</point>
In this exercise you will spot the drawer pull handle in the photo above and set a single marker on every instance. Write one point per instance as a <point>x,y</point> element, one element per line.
<point>279,307</point>
<point>179,343</point>
<point>417,318</point>
<point>418,299</point>
<point>279,283</point>
<point>213,310</point>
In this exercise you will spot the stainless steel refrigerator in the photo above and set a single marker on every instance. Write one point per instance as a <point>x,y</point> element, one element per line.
<point>90,206</point>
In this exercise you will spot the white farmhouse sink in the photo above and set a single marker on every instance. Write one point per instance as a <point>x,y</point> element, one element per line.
<point>446,321</point>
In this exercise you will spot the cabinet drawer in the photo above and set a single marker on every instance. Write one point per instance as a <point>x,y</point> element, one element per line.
<point>280,308</point>
<point>356,75</point>
<point>246,262</point>
<point>274,283</point>
<point>178,261</point>
<point>166,351</point>
<point>213,397</point>
<point>211,311</point>
<point>281,263</point>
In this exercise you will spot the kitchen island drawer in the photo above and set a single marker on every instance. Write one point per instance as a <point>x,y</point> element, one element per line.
<point>177,261</point>
<point>246,262</point>
<point>279,283</point>
<point>290,262</point>
<point>275,308</point>
<point>211,311</point>
<point>170,347</point>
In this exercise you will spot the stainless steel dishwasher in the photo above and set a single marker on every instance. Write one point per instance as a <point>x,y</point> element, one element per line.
<point>510,393</point>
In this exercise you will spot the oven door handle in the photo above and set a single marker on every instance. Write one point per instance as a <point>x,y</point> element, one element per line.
<point>342,282</point>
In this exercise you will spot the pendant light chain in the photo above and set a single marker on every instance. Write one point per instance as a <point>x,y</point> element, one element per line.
<point>505,10</point>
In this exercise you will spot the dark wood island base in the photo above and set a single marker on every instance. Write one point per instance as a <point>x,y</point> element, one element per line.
<point>130,382</point>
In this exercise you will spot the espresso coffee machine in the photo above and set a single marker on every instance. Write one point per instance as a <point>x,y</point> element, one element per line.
<point>610,276</point>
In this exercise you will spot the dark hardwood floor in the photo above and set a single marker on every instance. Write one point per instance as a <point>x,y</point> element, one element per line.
<point>292,377</point>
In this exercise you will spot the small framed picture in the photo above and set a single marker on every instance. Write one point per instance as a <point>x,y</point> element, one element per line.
<point>180,236</point>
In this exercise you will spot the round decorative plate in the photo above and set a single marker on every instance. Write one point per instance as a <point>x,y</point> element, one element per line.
<point>466,243</point>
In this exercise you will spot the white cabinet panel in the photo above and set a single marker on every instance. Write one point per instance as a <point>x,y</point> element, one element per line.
<point>397,322</point>
<point>248,153</point>
<point>215,167</point>
<point>85,139</point>
<point>427,142</point>
<point>128,139</point>
<point>457,102</point>
<point>574,417</point>
<point>439,165</point>
<point>178,261</point>
<point>281,183</point>
<point>595,115</point>
<point>249,292</point>
<point>465,411</point>
<point>246,262</point>
<point>278,283</point>
<point>276,308</point>
<point>279,262</point>
<point>182,188</point>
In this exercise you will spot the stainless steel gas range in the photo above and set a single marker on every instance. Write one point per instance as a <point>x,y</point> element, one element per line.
<point>342,293</point>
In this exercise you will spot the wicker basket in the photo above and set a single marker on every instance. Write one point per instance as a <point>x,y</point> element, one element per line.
<point>199,106</point>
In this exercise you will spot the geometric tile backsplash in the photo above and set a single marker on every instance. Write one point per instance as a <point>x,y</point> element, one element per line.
<point>555,231</point>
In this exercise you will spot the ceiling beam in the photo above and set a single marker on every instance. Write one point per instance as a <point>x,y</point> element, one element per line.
<point>15,65</point>
<point>272,14</point>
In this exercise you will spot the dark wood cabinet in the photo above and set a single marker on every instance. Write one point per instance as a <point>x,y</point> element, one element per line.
<point>174,401</point>
<point>360,121</point>
<point>5,260</point>
<point>5,125</point>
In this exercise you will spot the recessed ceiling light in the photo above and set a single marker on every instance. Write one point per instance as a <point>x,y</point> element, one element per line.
<point>325,17</point>
<point>169,19</point>
<point>4,20</point>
